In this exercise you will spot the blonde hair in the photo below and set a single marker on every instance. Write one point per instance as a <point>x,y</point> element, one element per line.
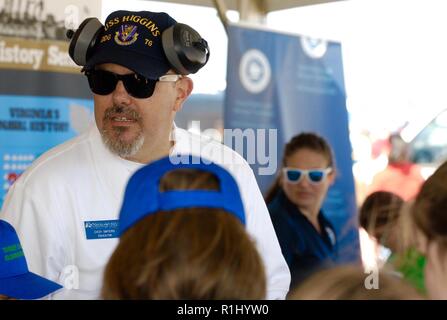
<point>348,283</point>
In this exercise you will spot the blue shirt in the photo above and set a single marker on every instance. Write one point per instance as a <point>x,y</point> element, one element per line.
<point>304,248</point>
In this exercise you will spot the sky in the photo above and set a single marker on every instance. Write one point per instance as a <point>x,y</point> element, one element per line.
<point>394,52</point>
<point>393,55</point>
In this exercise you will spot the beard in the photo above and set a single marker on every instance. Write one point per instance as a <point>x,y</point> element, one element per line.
<point>114,136</point>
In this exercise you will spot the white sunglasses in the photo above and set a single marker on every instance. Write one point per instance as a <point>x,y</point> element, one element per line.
<point>315,176</point>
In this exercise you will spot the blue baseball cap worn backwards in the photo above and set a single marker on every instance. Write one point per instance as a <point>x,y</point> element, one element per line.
<point>143,197</point>
<point>133,40</point>
<point>16,281</point>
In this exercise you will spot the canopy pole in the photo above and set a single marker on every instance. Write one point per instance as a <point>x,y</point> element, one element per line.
<point>222,12</point>
<point>253,11</point>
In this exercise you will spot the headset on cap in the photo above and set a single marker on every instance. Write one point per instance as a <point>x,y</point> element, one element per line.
<point>183,46</point>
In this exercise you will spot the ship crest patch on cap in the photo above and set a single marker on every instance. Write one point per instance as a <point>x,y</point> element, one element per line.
<point>126,35</point>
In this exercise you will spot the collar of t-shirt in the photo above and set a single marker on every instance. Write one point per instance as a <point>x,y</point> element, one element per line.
<point>294,213</point>
<point>116,169</point>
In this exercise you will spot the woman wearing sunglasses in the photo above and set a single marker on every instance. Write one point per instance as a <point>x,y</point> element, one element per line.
<point>306,236</point>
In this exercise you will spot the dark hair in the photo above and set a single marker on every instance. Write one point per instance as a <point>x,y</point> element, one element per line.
<point>305,140</point>
<point>192,253</point>
<point>380,209</point>
<point>429,209</point>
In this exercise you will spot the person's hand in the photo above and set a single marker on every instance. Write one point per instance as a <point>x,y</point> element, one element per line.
<point>436,272</point>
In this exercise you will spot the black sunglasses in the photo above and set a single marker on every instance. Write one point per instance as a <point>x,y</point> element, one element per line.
<point>104,82</point>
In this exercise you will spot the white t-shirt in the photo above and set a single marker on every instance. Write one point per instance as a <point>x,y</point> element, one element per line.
<point>79,183</point>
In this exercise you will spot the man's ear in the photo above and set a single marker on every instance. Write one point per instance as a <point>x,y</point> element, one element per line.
<point>184,88</point>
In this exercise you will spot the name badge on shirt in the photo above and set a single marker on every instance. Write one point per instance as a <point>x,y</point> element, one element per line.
<point>101,229</point>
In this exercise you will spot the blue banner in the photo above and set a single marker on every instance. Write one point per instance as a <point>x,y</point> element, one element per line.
<point>30,125</point>
<point>44,98</point>
<point>294,84</point>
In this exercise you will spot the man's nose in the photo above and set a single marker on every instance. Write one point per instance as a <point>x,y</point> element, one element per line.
<point>120,94</point>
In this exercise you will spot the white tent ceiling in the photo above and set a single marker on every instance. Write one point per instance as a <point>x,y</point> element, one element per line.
<point>268,5</point>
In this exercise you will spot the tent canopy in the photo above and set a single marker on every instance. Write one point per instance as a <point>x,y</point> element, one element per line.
<point>266,5</point>
<point>250,10</point>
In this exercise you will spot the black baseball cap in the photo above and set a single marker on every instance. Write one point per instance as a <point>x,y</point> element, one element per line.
<point>133,40</point>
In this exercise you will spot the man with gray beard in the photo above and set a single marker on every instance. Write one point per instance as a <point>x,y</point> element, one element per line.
<point>65,206</point>
<point>112,139</point>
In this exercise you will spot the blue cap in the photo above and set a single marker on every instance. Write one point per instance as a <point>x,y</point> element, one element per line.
<point>133,40</point>
<point>16,281</point>
<point>143,196</point>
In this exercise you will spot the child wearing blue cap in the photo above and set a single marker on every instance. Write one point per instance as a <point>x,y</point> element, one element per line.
<point>183,237</point>
<point>16,281</point>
